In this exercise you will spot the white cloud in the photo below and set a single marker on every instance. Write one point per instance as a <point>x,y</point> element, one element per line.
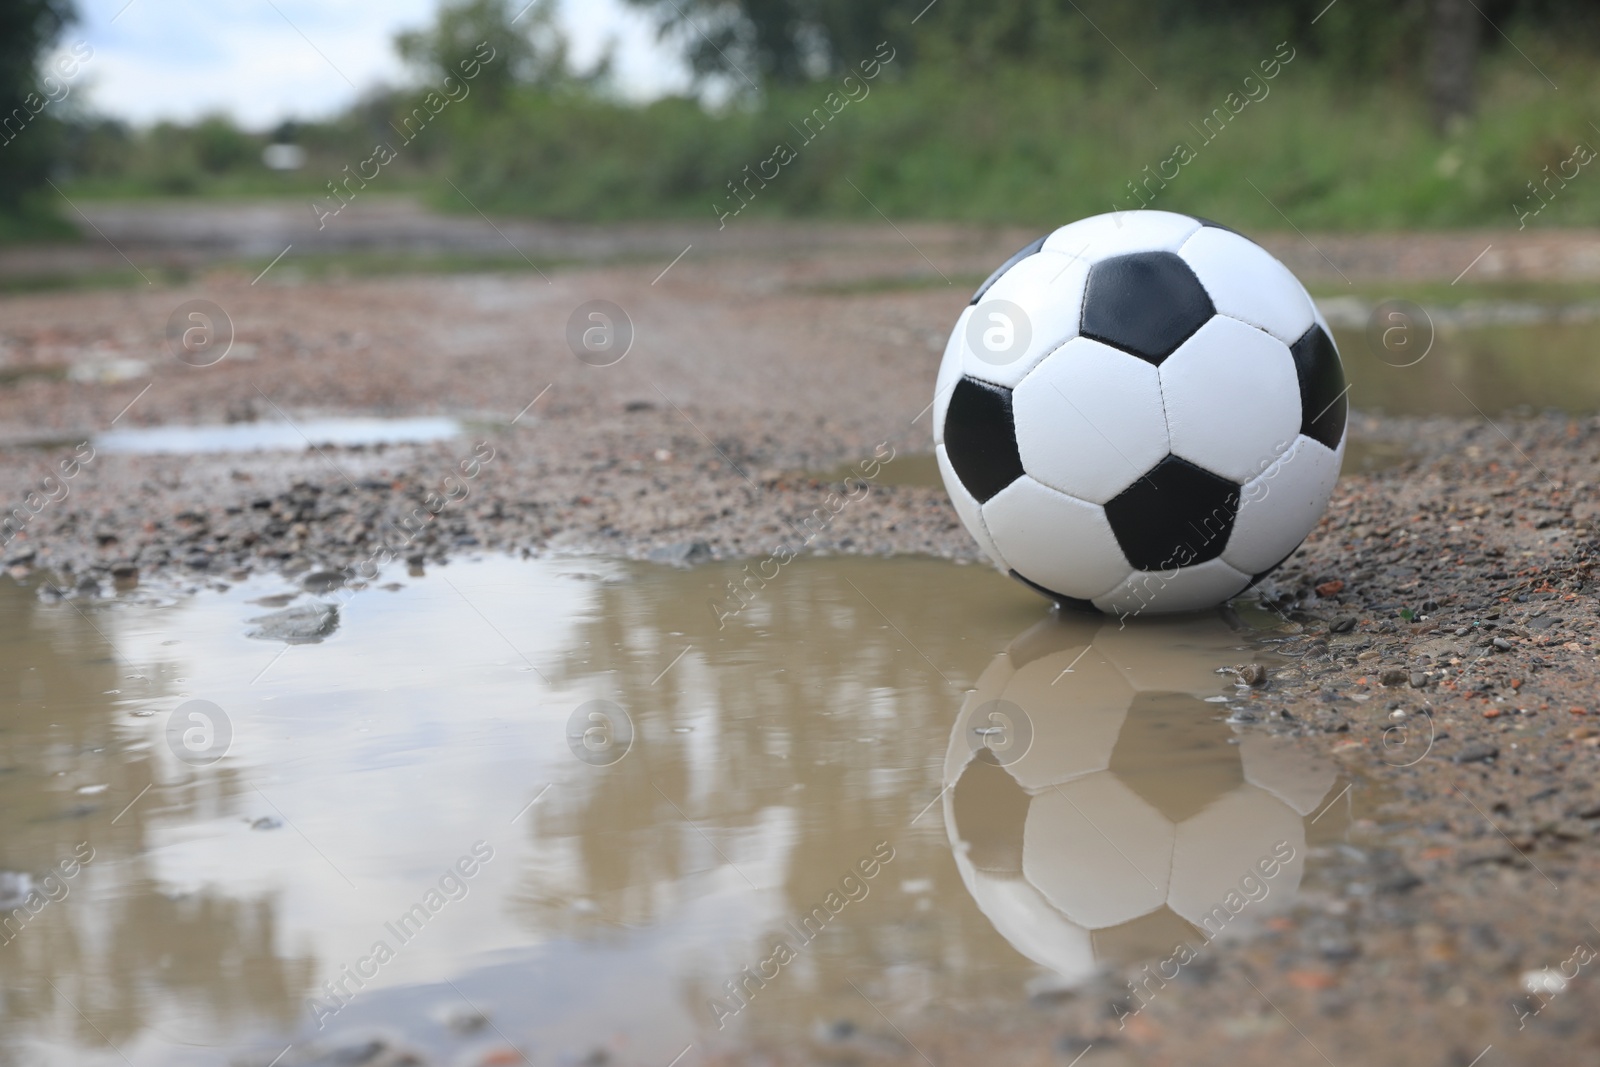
<point>266,60</point>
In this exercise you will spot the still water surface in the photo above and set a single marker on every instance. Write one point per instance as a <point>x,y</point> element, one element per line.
<point>269,436</point>
<point>901,770</point>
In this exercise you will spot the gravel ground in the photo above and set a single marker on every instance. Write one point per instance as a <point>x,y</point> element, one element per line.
<point>1433,634</point>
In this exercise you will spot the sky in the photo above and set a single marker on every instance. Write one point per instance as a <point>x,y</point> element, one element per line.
<point>266,60</point>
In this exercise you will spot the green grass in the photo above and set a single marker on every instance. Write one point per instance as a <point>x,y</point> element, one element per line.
<point>1030,146</point>
<point>1011,143</point>
<point>314,268</point>
<point>10,376</point>
<point>255,183</point>
<point>892,283</point>
<point>355,265</point>
<point>90,280</point>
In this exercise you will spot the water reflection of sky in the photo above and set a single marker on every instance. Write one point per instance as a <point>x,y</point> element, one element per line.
<point>275,435</point>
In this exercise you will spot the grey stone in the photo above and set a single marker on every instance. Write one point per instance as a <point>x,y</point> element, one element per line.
<point>681,553</point>
<point>322,581</point>
<point>302,624</point>
<point>1253,675</point>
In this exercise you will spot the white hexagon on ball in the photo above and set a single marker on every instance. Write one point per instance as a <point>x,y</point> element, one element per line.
<point>949,374</point>
<point>1099,824</point>
<point>1181,589</point>
<point>1090,420</point>
<point>1035,521</point>
<point>968,509</point>
<point>1228,367</point>
<point>1220,847</point>
<point>1027,313</point>
<point>1119,232</point>
<point>1072,704</point>
<point>1280,504</point>
<point>1246,282</point>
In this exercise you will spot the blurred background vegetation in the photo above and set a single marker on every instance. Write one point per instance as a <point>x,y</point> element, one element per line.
<point>1391,114</point>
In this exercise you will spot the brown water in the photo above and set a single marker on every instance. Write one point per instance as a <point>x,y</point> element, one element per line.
<point>1491,370</point>
<point>932,798</point>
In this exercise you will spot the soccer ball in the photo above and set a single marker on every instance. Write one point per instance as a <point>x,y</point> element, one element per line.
<point>1098,813</point>
<point>1140,412</point>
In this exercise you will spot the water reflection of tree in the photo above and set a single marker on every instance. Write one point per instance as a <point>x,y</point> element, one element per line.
<point>116,945</point>
<point>146,950</point>
<point>813,712</point>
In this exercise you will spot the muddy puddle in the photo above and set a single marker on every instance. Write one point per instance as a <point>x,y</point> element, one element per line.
<point>1428,363</point>
<point>275,435</point>
<point>551,809</point>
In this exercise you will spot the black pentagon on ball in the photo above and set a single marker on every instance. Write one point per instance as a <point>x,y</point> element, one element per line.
<point>990,810</point>
<point>1066,603</point>
<point>1147,303</point>
<point>1323,404</point>
<point>1151,723</point>
<point>1030,249</point>
<point>1177,515</point>
<point>980,437</point>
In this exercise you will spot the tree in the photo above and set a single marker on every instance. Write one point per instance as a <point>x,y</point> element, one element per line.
<point>788,41</point>
<point>1452,60</point>
<point>527,47</point>
<point>781,41</point>
<point>28,29</point>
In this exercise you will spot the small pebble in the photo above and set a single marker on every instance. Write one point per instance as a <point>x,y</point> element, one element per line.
<point>323,581</point>
<point>1253,675</point>
<point>838,1030</point>
<point>466,1021</point>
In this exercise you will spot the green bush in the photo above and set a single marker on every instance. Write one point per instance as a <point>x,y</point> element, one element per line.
<point>1032,144</point>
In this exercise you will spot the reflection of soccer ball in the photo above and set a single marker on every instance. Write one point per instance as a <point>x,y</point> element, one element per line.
<point>1102,811</point>
<point>1140,412</point>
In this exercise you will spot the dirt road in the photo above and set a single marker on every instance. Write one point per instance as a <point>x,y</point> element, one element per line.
<point>1433,633</point>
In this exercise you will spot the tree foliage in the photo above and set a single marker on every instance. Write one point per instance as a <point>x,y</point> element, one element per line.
<point>790,41</point>
<point>28,29</point>
<point>528,48</point>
